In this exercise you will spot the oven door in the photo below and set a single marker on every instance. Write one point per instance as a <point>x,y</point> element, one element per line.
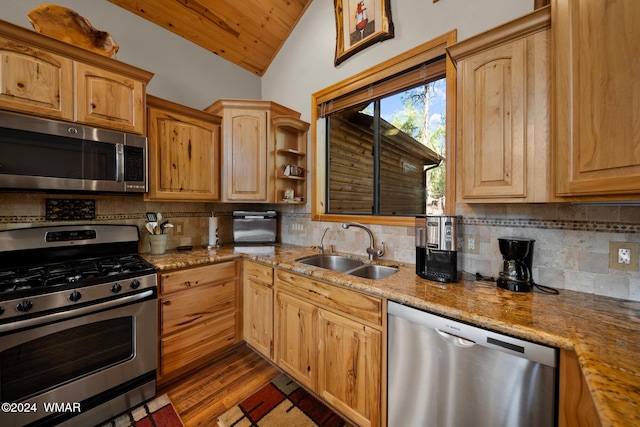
<point>59,368</point>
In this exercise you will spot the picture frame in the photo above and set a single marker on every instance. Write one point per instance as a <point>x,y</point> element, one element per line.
<point>360,24</point>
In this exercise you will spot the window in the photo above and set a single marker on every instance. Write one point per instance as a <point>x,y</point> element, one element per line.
<point>382,143</point>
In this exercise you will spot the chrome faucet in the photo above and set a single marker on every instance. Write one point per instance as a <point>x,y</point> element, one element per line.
<point>371,250</point>
<point>322,241</point>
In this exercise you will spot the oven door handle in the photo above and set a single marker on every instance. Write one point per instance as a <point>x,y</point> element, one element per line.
<point>56,317</point>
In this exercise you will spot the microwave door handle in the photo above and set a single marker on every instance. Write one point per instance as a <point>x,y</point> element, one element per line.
<point>119,162</point>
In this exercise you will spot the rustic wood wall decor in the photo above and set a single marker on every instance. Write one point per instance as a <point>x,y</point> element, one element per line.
<point>360,24</point>
<point>68,26</point>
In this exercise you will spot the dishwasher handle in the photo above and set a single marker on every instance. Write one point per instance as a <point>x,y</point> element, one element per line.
<point>454,339</point>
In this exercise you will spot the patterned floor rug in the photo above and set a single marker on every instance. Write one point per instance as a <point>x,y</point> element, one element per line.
<point>158,412</point>
<point>281,403</point>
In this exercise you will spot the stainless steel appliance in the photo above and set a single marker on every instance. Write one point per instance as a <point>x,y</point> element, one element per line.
<point>445,373</point>
<point>43,154</point>
<point>436,248</point>
<point>78,324</point>
<point>517,253</point>
<point>255,227</point>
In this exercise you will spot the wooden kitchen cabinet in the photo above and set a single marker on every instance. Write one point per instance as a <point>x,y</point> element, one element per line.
<point>35,81</point>
<point>248,148</point>
<point>576,407</point>
<point>595,99</point>
<point>330,339</point>
<point>108,99</point>
<point>184,153</point>
<point>199,316</point>
<point>46,77</point>
<point>503,117</point>
<point>258,307</point>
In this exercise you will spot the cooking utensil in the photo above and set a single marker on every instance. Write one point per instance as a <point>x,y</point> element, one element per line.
<point>149,227</point>
<point>165,225</point>
<point>152,218</point>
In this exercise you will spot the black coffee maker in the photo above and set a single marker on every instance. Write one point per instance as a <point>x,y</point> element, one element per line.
<point>517,253</point>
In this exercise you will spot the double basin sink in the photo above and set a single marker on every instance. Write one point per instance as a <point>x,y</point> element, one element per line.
<point>347,265</point>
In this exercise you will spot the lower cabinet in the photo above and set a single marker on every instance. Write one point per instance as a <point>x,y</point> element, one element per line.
<point>258,307</point>
<point>199,316</point>
<point>576,407</point>
<point>329,339</point>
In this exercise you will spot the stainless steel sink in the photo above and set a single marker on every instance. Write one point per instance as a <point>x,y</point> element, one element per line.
<point>375,272</point>
<point>332,262</point>
<point>351,266</point>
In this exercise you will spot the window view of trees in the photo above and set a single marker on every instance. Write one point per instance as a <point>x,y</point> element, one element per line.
<point>386,157</point>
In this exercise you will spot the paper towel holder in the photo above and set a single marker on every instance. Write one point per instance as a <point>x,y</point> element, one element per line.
<point>214,239</point>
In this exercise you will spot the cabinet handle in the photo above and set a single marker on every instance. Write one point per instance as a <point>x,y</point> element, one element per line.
<point>166,302</point>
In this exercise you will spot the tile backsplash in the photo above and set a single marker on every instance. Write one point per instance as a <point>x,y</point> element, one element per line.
<point>571,249</point>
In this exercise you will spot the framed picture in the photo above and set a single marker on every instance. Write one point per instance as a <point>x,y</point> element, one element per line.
<point>359,24</point>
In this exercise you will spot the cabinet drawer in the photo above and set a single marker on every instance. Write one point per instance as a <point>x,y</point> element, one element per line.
<point>350,302</point>
<point>180,350</point>
<point>194,277</point>
<point>259,273</point>
<point>185,309</point>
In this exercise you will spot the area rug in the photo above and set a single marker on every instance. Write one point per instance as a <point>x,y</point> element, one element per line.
<point>158,412</point>
<point>281,403</point>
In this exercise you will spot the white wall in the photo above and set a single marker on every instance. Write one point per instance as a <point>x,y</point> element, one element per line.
<point>304,65</point>
<point>184,72</point>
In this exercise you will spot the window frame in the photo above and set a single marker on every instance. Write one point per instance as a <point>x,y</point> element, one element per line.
<point>394,66</point>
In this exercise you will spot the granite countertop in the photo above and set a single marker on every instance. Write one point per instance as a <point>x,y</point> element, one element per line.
<point>604,332</point>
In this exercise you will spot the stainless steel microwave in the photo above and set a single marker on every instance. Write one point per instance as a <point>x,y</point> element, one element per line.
<point>44,154</point>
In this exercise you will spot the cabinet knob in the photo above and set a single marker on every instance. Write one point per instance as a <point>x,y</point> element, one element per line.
<point>165,302</point>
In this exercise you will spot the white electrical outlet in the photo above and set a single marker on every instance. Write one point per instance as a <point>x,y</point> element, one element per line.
<point>471,243</point>
<point>624,256</point>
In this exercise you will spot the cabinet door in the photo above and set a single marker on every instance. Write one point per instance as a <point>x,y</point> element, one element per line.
<point>296,345</point>
<point>492,122</point>
<point>258,316</point>
<point>349,367</point>
<point>108,99</point>
<point>35,81</point>
<point>183,157</point>
<point>597,132</point>
<point>245,155</point>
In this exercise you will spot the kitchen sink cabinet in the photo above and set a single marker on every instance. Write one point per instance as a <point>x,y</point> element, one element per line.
<point>595,99</point>
<point>503,117</point>
<point>248,148</point>
<point>199,316</point>
<point>258,307</point>
<point>330,339</point>
<point>184,152</point>
<point>576,407</point>
<point>46,77</point>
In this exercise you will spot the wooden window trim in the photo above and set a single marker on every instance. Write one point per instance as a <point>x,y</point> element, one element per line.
<point>348,89</point>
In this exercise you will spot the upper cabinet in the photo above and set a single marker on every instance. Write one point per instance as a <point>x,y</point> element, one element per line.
<point>503,117</point>
<point>46,77</point>
<point>184,152</point>
<point>596,46</point>
<point>249,148</point>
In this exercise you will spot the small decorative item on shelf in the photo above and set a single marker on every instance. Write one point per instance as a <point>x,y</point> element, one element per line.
<point>293,170</point>
<point>289,194</point>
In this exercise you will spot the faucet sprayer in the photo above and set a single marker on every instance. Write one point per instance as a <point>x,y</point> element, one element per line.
<point>371,250</point>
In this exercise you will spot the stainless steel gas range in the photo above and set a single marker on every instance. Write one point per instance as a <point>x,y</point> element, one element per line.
<point>78,325</point>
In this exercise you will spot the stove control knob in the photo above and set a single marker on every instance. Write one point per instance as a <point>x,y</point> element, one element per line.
<point>135,284</point>
<point>116,288</point>
<point>75,296</point>
<point>1,310</point>
<point>24,306</point>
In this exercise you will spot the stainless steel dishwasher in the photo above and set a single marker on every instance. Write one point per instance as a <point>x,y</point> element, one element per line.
<point>447,373</point>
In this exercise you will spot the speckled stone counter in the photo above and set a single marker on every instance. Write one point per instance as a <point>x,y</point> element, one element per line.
<point>604,332</point>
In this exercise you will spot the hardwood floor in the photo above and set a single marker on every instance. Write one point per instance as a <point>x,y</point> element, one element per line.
<point>201,397</point>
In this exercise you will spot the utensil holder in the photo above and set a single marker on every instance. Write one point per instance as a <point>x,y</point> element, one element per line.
<point>158,243</point>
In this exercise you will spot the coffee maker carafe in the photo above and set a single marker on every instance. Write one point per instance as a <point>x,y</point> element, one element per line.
<point>517,254</point>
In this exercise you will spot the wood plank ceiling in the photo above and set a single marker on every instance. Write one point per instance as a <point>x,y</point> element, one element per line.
<point>248,33</point>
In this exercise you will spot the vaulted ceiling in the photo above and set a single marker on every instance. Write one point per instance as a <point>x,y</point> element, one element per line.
<point>248,33</point>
